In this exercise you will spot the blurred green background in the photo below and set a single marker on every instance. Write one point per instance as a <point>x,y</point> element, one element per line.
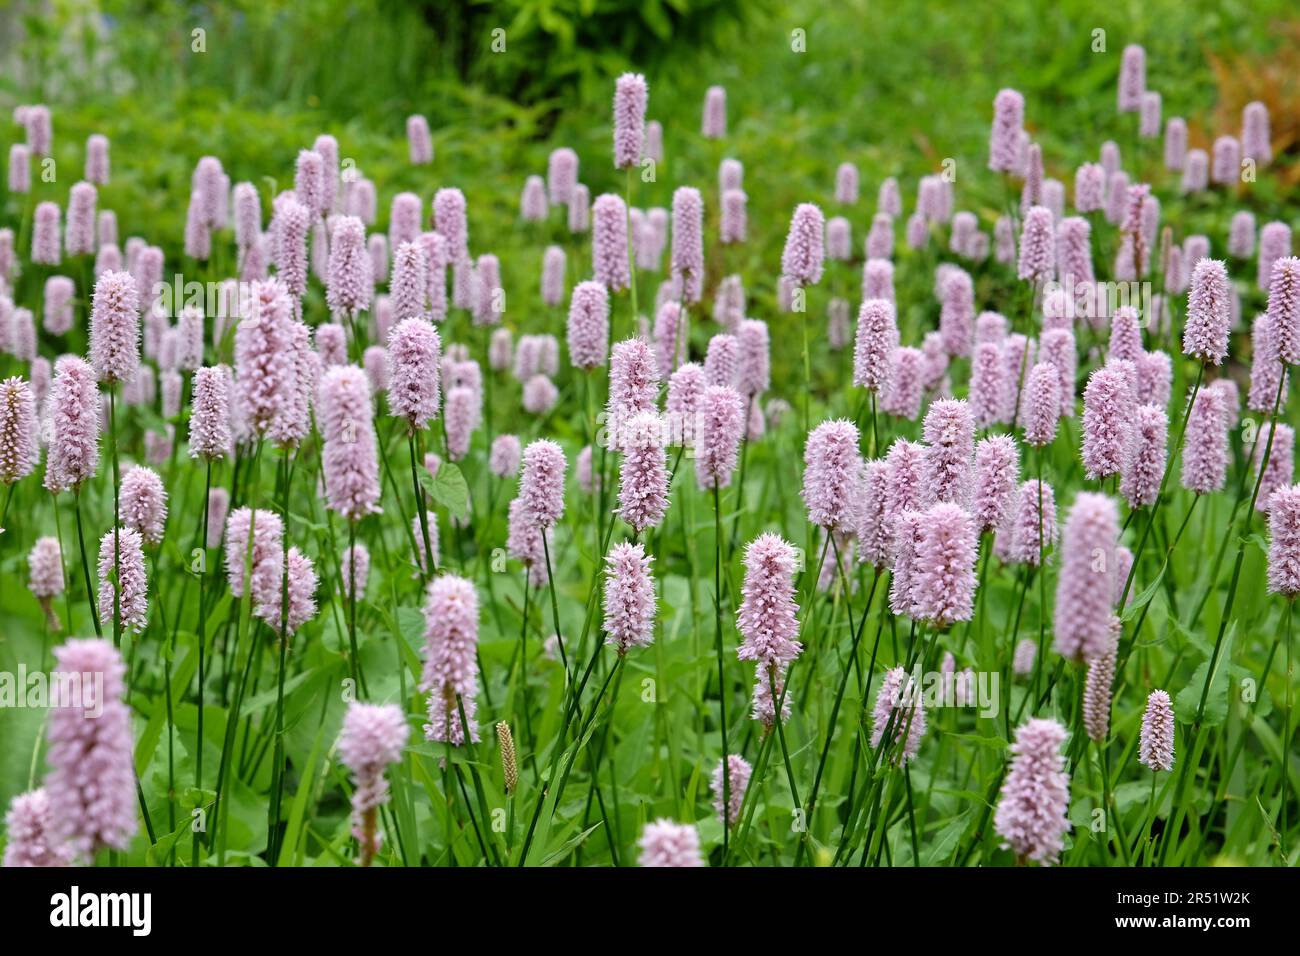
<point>894,86</point>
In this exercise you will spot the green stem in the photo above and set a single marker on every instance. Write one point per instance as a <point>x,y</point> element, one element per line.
<point>722,680</point>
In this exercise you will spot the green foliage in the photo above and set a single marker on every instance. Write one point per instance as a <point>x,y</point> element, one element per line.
<point>895,90</point>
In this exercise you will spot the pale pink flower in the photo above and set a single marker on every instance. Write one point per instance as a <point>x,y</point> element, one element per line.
<point>1031,816</point>
<point>541,487</point>
<point>131,591</point>
<point>1156,741</point>
<point>729,782</point>
<point>630,96</point>
<point>450,673</point>
<point>831,473</point>
<point>73,404</point>
<point>664,843</point>
<point>949,432</point>
<point>898,710</point>
<point>873,522</point>
<point>906,384</point>
<point>588,325</point>
<point>1175,150</point>
<point>801,261</point>
<point>143,503</point>
<point>19,448</point>
<point>1284,541</point>
<point>268,585</point>
<point>609,255</point>
<point>1004,138</point>
<point>944,584</point>
<point>630,601</point>
<point>372,739</point>
<point>957,313</point>
<point>1145,466</point>
<point>1279,470</point>
<point>997,467</point>
<point>1107,422</point>
<point>1086,586</point>
<point>414,356</point>
<point>31,837</point>
<point>91,785</point>
<point>768,615</point>
<point>348,457</point>
<point>1205,450</point>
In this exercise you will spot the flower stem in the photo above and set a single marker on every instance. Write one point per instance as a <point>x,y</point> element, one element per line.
<point>203,638</point>
<point>85,565</point>
<point>722,679</point>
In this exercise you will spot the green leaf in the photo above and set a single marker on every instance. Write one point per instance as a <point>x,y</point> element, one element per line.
<point>942,845</point>
<point>1142,600</point>
<point>447,488</point>
<point>1216,699</point>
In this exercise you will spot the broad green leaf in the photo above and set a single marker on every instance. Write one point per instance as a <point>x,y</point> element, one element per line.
<point>1216,699</point>
<point>447,488</point>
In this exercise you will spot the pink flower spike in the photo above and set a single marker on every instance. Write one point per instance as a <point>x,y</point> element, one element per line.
<point>729,782</point>
<point>130,593</point>
<point>1284,541</point>
<point>450,673</point>
<point>643,475</point>
<point>91,784</point>
<point>873,522</point>
<point>1205,449</point>
<point>945,566</point>
<point>720,429</point>
<point>19,448</point>
<point>874,345</point>
<point>588,327</point>
<point>630,96</point>
<point>541,487</point>
<point>1086,587</point>
<point>949,432</point>
<point>1107,422</point>
<point>714,122</point>
<point>898,710</point>
<point>268,584</point>
<point>1041,404</point>
<point>73,454</point>
<point>1033,525</point>
<point>32,840</point>
<point>372,739</point>
<point>1032,811</point>
<point>1037,246</point>
<point>630,602</point>
<point>143,503</point>
<point>1004,138</point>
<point>801,260</point>
<point>668,844</point>
<point>997,473</point>
<point>115,328</point>
<point>1284,308</point>
<point>504,458</point>
<point>1145,467</point>
<point>1209,313</point>
<point>1156,741</point>
<point>1281,462</point>
<point>414,359</point>
<point>609,242</point>
<point>688,243</point>
<point>831,473</point>
<point>768,616</point>
<point>349,458</point>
